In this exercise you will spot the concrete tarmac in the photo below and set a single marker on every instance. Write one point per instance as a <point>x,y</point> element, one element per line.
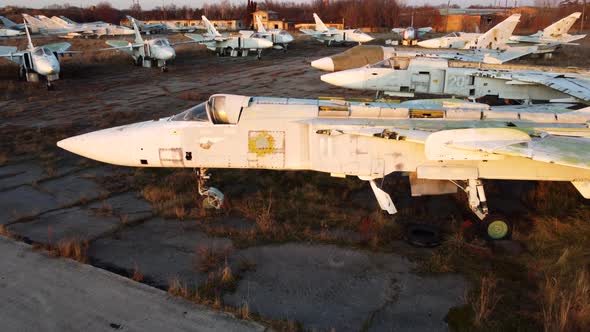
<point>40,293</point>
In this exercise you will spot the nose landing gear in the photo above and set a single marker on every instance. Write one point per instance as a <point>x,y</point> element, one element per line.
<point>212,197</point>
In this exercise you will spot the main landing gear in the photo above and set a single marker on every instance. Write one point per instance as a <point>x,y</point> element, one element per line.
<point>212,197</point>
<point>492,226</point>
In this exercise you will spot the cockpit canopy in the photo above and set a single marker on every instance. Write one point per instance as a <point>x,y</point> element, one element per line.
<point>42,51</point>
<point>453,34</point>
<point>283,32</point>
<point>392,63</point>
<point>219,109</point>
<point>161,42</point>
<point>357,31</point>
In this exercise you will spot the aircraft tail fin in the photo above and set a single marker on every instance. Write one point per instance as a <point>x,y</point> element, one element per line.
<point>561,27</point>
<point>260,25</point>
<point>68,20</point>
<point>210,27</point>
<point>319,25</point>
<point>498,36</point>
<point>49,23</point>
<point>60,21</point>
<point>28,34</point>
<point>138,39</point>
<point>7,23</point>
<point>34,22</point>
<point>131,19</point>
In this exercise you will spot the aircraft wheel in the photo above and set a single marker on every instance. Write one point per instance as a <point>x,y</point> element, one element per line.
<point>50,87</point>
<point>22,74</point>
<point>164,69</point>
<point>496,227</point>
<point>139,61</point>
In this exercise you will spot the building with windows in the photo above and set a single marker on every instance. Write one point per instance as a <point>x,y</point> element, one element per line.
<point>270,20</point>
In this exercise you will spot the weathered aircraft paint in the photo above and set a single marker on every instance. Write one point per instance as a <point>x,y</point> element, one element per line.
<point>331,36</point>
<point>404,76</point>
<point>436,141</point>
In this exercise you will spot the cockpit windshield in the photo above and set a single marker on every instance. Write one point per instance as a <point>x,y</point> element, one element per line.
<point>357,31</point>
<point>453,34</point>
<point>393,63</point>
<point>42,51</point>
<point>196,113</point>
<point>283,32</point>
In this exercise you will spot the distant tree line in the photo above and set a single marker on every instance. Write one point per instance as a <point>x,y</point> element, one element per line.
<point>353,13</point>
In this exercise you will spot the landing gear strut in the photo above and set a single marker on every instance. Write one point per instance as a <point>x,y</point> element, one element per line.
<point>259,54</point>
<point>212,197</point>
<point>493,226</point>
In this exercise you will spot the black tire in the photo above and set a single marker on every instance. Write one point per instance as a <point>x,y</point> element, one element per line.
<point>496,227</point>
<point>423,235</point>
<point>22,73</point>
<point>139,61</point>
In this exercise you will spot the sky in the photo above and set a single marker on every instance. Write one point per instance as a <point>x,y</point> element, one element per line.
<point>148,4</point>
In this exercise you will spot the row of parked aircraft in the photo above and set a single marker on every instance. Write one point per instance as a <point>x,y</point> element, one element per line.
<point>44,60</point>
<point>444,145</point>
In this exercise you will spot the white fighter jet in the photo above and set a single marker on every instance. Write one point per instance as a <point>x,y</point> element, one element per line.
<point>8,24</point>
<point>555,34</point>
<point>403,76</point>
<point>331,36</point>
<point>363,55</point>
<point>442,144</point>
<point>148,28</point>
<point>37,61</point>
<point>146,53</point>
<point>279,38</point>
<point>4,32</point>
<point>97,29</point>
<point>229,45</point>
<point>410,35</point>
<point>46,26</point>
<point>495,39</point>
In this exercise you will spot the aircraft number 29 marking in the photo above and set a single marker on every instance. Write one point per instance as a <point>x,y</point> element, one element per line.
<point>458,81</point>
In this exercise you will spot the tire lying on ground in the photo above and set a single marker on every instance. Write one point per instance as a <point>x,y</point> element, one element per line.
<point>423,235</point>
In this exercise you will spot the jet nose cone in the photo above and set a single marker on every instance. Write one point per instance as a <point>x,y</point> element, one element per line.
<point>265,43</point>
<point>363,38</point>
<point>430,43</point>
<point>288,38</point>
<point>114,146</point>
<point>46,67</point>
<point>353,79</point>
<point>325,64</point>
<point>168,53</point>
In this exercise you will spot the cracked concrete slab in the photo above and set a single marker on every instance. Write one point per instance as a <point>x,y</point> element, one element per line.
<point>161,250</point>
<point>324,286</point>
<point>46,294</point>
<point>128,207</point>
<point>76,222</point>
<point>23,202</point>
<point>19,174</point>
<point>72,189</point>
<point>422,303</point>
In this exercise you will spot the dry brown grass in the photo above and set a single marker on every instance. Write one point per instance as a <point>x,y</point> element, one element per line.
<point>3,158</point>
<point>178,288</point>
<point>484,300</point>
<point>264,218</point>
<point>566,303</point>
<point>208,258</point>
<point>137,275</point>
<point>75,249</point>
